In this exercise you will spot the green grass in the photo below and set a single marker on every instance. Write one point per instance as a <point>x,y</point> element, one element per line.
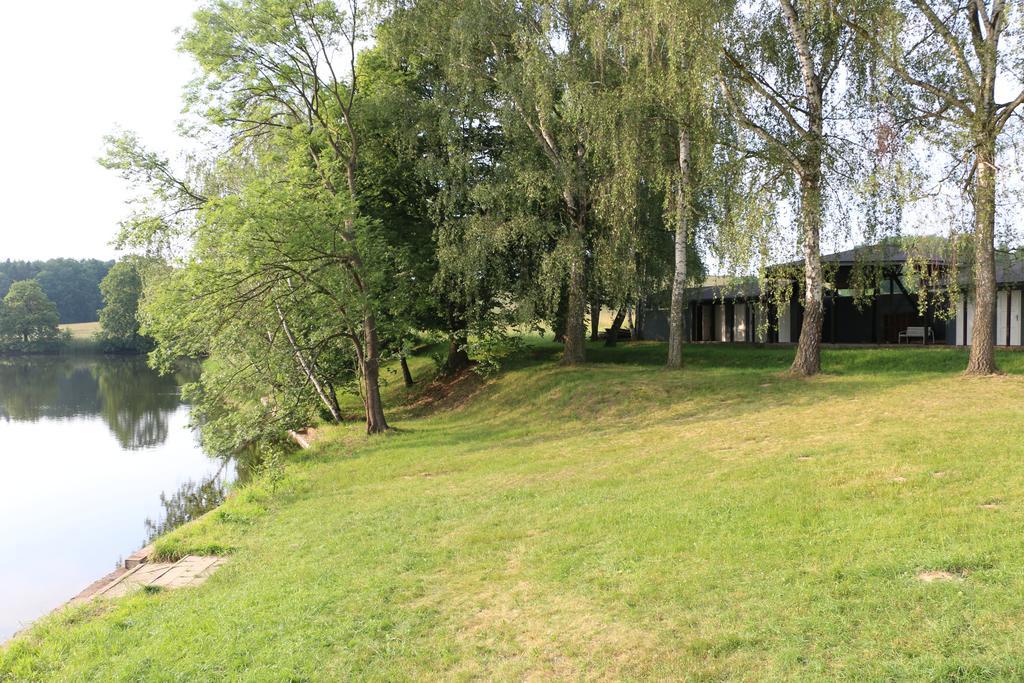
<point>84,340</point>
<point>613,521</point>
<point>82,330</point>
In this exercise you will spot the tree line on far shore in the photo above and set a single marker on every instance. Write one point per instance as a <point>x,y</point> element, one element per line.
<point>30,319</point>
<point>380,175</point>
<point>73,285</point>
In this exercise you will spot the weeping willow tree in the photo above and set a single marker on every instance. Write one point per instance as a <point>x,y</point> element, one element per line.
<point>658,130</point>
<point>537,67</point>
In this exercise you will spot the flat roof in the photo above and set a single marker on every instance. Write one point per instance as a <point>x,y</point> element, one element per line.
<point>1009,271</point>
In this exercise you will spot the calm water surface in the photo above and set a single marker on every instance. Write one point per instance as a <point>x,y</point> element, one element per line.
<point>96,457</point>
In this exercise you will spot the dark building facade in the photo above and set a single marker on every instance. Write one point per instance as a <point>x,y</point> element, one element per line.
<point>740,314</point>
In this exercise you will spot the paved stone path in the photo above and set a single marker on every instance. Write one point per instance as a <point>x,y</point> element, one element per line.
<point>188,571</point>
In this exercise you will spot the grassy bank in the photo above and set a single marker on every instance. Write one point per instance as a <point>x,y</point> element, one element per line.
<point>611,521</point>
<point>86,331</point>
<point>84,339</point>
<point>77,339</point>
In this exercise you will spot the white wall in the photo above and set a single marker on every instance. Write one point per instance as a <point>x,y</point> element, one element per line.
<point>965,307</point>
<point>721,323</point>
<point>740,316</point>
<point>1015,300</point>
<point>1002,300</point>
<point>785,315</point>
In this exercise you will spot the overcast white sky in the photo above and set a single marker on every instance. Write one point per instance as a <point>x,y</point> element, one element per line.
<point>71,72</point>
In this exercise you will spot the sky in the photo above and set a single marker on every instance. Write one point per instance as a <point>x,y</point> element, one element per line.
<point>72,72</point>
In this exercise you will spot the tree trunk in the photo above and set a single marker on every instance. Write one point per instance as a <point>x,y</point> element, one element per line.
<point>406,374</point>
<point>677,308</point>
<point>457,359</point>
<point>332,395</point>
<point>576,305</point>
<point>559,321</point>
<point>636,333</point>
<point>595,319</point>
<point>808,351</point>
<point>309,369</point>
<point>982,360</point>
<point>612,337</point>
<point>375,422</point>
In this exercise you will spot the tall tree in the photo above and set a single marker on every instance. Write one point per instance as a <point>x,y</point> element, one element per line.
<point>665,129</point>
<point>119,317</point>
<point>279,76</point>
<point>780,80</point>
<point>414,179</point>
<point>534,64</point>
<point>948,62</point>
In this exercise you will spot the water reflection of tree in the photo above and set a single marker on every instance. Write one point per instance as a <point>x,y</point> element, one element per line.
<point>136,403</point>
<point>34,388</point>
<point>188,502</point>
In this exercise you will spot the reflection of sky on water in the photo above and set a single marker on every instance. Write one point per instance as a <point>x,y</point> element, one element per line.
<point>87,449</point>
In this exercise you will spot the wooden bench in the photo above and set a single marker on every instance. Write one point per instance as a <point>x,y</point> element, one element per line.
<point>921,333</point>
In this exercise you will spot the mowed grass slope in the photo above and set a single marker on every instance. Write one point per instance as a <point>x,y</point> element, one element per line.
<point>612,521</point>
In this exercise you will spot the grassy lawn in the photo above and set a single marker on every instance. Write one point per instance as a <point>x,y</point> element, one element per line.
<point>614,521</point>
<point>82,330</point>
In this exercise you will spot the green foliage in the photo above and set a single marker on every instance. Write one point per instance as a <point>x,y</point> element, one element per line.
<point>261,295</point>
<point>271,466</point>
<point>119,319</point>
<point>28,319</point>
<point>72,284</point>
<point>533,70</point>
<point>491,350</point>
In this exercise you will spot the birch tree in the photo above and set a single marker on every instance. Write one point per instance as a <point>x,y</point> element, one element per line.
<point>955,71</point>
<point>535,66</point>
<point>670,53</point>
<point>781,63</point>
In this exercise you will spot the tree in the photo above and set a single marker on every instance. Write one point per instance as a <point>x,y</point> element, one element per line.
<point>279,80</point>
<point>781,80</point>
<point>536,66</point>
<point>666,128</point>
<point>72,284</point>
<point>450,135</point>
<point>271,64</point>
<point>404,133</point>
<point>946,63</point>
<point>119,317</point>
<point>259,294</point>
<point>28,316</point>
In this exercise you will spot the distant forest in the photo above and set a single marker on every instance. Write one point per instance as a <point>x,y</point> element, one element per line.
<point>72,284</point>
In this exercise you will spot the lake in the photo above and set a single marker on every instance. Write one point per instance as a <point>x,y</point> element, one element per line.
<point>96,457</point>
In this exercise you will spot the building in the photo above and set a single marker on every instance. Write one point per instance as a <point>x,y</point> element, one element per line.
<point>736,313</point>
